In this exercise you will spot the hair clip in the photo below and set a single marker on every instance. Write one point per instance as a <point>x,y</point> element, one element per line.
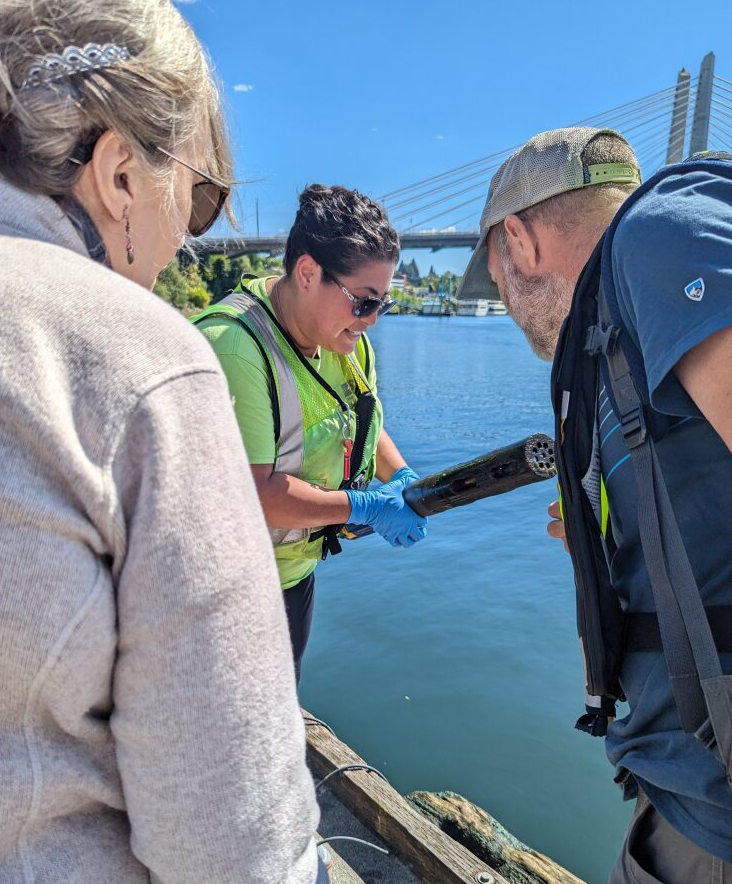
<point>73,60</point>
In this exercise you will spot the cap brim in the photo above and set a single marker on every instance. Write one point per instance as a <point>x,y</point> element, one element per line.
<point>476,281</point>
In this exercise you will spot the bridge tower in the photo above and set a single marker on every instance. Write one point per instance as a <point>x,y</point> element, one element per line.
<point>702,108</point>
<point>677,135</point>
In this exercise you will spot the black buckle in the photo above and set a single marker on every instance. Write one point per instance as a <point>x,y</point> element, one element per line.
<point>593,723</point>
<point>331,543</point>
<point>633,427</point>
<point>601,339</point>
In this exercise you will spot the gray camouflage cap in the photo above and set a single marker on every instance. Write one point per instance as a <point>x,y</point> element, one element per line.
<point>547,165</point>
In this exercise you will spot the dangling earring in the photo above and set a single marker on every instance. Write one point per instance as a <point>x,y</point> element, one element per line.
<point>128,239</point>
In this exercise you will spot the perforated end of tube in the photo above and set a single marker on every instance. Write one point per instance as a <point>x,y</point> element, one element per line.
<point>539,450</point>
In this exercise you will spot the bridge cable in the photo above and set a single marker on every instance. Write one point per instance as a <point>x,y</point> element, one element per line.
<point>722,129</point>
<point>661,93</point>
<point>417,198</point>
<point>480,172</point>
<point>476,199</point>
<point>634,116</point>
<point>657,135</point>
<point>465,166</point>
<point>647,119</point>
<point>622,110</point>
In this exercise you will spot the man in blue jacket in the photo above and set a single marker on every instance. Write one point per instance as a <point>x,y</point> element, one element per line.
<point>547,208</point>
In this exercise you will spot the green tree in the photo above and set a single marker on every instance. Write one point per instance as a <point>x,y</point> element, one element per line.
<point>172,285</point>
<point>190,285</point>
<point>273,265</point>
<point>199,297</point>
<point>217,274</point>
<point>431,281</point>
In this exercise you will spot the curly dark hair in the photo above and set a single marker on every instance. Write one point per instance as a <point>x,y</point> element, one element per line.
<point>341,229</point>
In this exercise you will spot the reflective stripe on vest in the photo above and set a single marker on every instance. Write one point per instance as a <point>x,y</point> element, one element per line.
<point>291,447</point>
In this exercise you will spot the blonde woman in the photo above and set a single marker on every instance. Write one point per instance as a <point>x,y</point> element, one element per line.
<point>149,729</point>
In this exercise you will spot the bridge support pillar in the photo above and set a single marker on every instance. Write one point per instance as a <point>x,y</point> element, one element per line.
<point>677,135</point>
<point>700,126</point>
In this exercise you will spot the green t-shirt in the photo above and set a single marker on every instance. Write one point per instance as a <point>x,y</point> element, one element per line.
<point>248,380</point>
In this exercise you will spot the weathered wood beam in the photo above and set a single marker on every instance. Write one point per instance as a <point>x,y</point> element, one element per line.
<point>434,856</point>
<point>484,836</point>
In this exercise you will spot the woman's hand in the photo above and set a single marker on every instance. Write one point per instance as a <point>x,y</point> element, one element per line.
<point>386,511</point>
<point>555,528</point>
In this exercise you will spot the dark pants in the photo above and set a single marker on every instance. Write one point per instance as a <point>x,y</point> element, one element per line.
<point>299,606</point>
<point>655,853</point>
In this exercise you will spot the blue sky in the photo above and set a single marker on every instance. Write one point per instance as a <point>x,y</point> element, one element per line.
<point>378,94</point>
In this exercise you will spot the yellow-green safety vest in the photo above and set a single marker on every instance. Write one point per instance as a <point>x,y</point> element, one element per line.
<point>313,425</point>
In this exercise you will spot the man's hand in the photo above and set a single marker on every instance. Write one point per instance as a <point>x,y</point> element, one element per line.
<point>555,528</point>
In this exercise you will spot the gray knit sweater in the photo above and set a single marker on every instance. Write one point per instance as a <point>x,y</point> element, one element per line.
<point>149,728</point>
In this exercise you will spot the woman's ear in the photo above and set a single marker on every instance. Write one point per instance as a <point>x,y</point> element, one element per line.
<point>113,175</point>
<point>523,244</point>
<point>307,272</point>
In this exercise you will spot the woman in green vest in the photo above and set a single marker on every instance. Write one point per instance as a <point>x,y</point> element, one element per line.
<point>302,379</point>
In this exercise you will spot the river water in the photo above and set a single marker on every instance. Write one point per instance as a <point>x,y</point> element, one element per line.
<point>455,664</point>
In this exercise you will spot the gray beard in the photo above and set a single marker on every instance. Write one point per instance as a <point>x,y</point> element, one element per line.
<point>538,305</point>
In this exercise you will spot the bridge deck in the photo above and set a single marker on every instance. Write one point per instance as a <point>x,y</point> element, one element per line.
<point>275,245</point>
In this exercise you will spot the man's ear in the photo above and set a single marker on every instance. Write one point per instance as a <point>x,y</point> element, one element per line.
<point>112,175</point>
<point>523,245</point>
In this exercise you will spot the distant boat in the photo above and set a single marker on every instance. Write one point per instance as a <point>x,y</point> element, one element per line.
<point>496,308</point>
<point>439,305</point>
<point>473,307</point>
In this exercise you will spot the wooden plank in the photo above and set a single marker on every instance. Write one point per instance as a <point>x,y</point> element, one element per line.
<point>435,857</point>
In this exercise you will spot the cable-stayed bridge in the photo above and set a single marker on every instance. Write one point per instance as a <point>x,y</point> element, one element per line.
<point>693,115</point>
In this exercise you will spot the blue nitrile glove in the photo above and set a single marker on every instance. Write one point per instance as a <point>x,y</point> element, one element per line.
<point>385,510</point>
<point>405,475</point>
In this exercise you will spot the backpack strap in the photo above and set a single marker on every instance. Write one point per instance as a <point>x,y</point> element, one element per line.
<point>643,635</point>
<point>364,415</point>
<point>600,618</point>
<point>271,382</point>
<point>367,361</point>
<point>703,694</point>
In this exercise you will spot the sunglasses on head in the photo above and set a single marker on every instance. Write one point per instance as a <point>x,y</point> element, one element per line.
<point>363,307</point>
<point>208,198</point>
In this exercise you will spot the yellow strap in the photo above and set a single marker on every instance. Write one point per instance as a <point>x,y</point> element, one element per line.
<point>604,508</point>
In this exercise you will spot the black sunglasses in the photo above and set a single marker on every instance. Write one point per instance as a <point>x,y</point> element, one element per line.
<point>207,198</point>
<point>363,306</point>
